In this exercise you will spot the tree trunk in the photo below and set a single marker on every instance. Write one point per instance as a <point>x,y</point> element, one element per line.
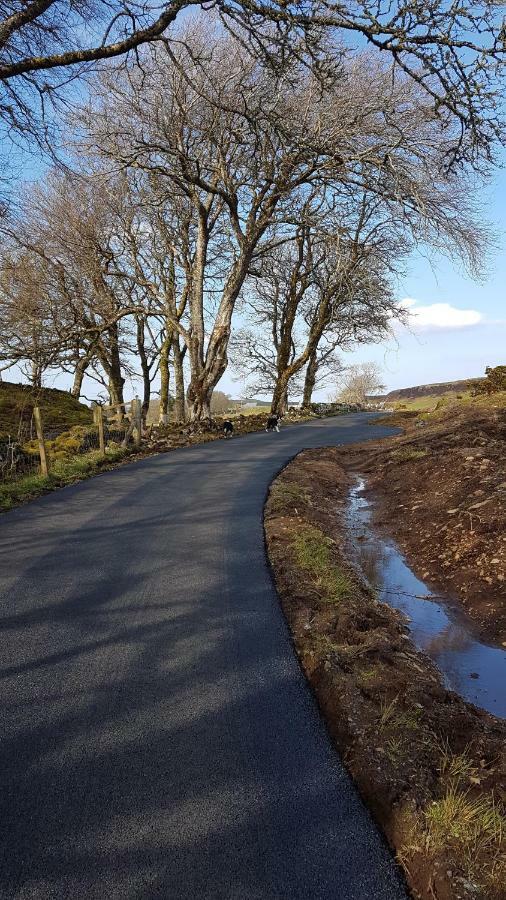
<point>116,380</point>
<point>199,404</point>
<point>110,361</point>
<point>310,381</point>
<point>79,373</point>
<point>36,376</point>
<point>163,416</point>
<point>279,404</point>
<point>146,381</point>
<point>179,401</point>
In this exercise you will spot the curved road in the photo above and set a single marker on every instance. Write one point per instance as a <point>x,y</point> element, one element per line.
<point>158,739</point>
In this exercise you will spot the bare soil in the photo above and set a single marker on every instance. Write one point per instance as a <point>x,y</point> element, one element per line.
<point>440,490</point>
<point>431,767</point>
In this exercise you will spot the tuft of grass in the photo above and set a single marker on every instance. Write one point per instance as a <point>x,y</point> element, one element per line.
<point>285,493</point>
<point>405,454</point>
<point>471,824</point>
<point>402,719</point>
<point>324,645</point>
<point>367,675</point>
<point>312,550</point>
<point>388,710</point>
<point>395,749</point>
<point>313,554</point>
<point>454,767</point>
<point>470,830</point>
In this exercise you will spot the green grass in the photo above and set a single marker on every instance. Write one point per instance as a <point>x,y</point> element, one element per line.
<point>406,454</point>
<point>454,768</point>
<point>62,472</point>
<point>313,555</point>
<point>468,829</point>
<point>58,408</point>
<point>284,494</point>
<point>430,402</point>
<point>392,716</point>
<point>457,818</point>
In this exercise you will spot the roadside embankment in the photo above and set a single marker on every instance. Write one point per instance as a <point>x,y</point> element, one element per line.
<point>440,491</point>
<point>431,767</point>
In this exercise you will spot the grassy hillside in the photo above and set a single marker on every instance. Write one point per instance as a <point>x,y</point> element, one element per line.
<point>58,408</point>
<point>439,389</point>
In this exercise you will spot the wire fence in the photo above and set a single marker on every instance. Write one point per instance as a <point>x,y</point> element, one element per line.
<point>37,450</point>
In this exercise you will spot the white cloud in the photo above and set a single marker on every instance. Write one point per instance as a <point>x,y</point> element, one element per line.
<point>438,316</point>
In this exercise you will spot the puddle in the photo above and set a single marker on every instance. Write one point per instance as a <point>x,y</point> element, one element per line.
<point>475,670</point>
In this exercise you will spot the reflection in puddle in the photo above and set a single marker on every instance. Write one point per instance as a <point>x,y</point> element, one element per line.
<point>475,670</point>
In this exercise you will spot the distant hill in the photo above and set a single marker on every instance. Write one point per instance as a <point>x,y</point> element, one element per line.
<point>431,390</point>
<point>58,408</point>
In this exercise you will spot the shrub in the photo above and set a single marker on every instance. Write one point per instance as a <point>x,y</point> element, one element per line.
<point>494,381</point>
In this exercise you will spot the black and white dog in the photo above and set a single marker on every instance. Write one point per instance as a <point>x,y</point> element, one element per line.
<point>273,424</point>
<point>228,428</point>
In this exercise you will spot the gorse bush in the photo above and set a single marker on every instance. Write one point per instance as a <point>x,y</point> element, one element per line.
<point>494,382</point>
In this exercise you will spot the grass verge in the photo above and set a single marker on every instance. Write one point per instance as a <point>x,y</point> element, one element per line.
<point>62,473</point>
<point>431,767</point>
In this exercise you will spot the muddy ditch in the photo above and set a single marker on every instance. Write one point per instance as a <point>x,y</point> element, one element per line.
<point>438,623</point>
<point>440,491</point>
<point>430,766</point>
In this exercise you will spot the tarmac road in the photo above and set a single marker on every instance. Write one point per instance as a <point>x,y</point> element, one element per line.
<point>158,739</point>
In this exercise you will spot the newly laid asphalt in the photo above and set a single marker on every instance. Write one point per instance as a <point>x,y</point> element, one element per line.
<point>158,739</point>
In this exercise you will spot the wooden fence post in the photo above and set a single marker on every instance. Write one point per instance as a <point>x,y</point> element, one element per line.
<point>44,466</point>
<point>99,418</point>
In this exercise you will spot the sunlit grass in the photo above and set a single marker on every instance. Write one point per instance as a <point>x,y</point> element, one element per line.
<point>313,554</point>
<point>406,454</point>
<point>284,494</point>
<point>62,471</point>
<point>473,824</point>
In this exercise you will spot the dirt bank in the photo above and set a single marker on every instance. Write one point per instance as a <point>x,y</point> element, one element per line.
<point>440,490</point>
<point>431,768</point>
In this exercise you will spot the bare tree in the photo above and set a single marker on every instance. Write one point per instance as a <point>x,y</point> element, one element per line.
<point>237,143</point>
<point>71,237</point>
<point>220,402</point>
<point>160,245</point>
<point>360,381</point>
<point>455,51</point>
<point>312,298</point>
<point>333,282</point>
<point>26,335</point>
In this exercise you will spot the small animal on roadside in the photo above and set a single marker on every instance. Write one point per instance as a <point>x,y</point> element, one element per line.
<point>228,428</point>
<point>272,424</point>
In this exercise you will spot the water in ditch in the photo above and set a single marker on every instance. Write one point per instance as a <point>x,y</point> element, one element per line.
<point>476,670</point>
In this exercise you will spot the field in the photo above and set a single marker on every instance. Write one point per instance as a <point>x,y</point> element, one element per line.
<point>431,402</point>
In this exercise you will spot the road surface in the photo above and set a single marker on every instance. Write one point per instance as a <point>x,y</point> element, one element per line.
<point>158,739</point>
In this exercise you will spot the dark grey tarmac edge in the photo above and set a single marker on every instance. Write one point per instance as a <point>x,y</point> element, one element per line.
<point>158,738</point>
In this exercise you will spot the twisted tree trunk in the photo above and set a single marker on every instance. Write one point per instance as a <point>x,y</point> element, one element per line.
<point>310,381</point>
